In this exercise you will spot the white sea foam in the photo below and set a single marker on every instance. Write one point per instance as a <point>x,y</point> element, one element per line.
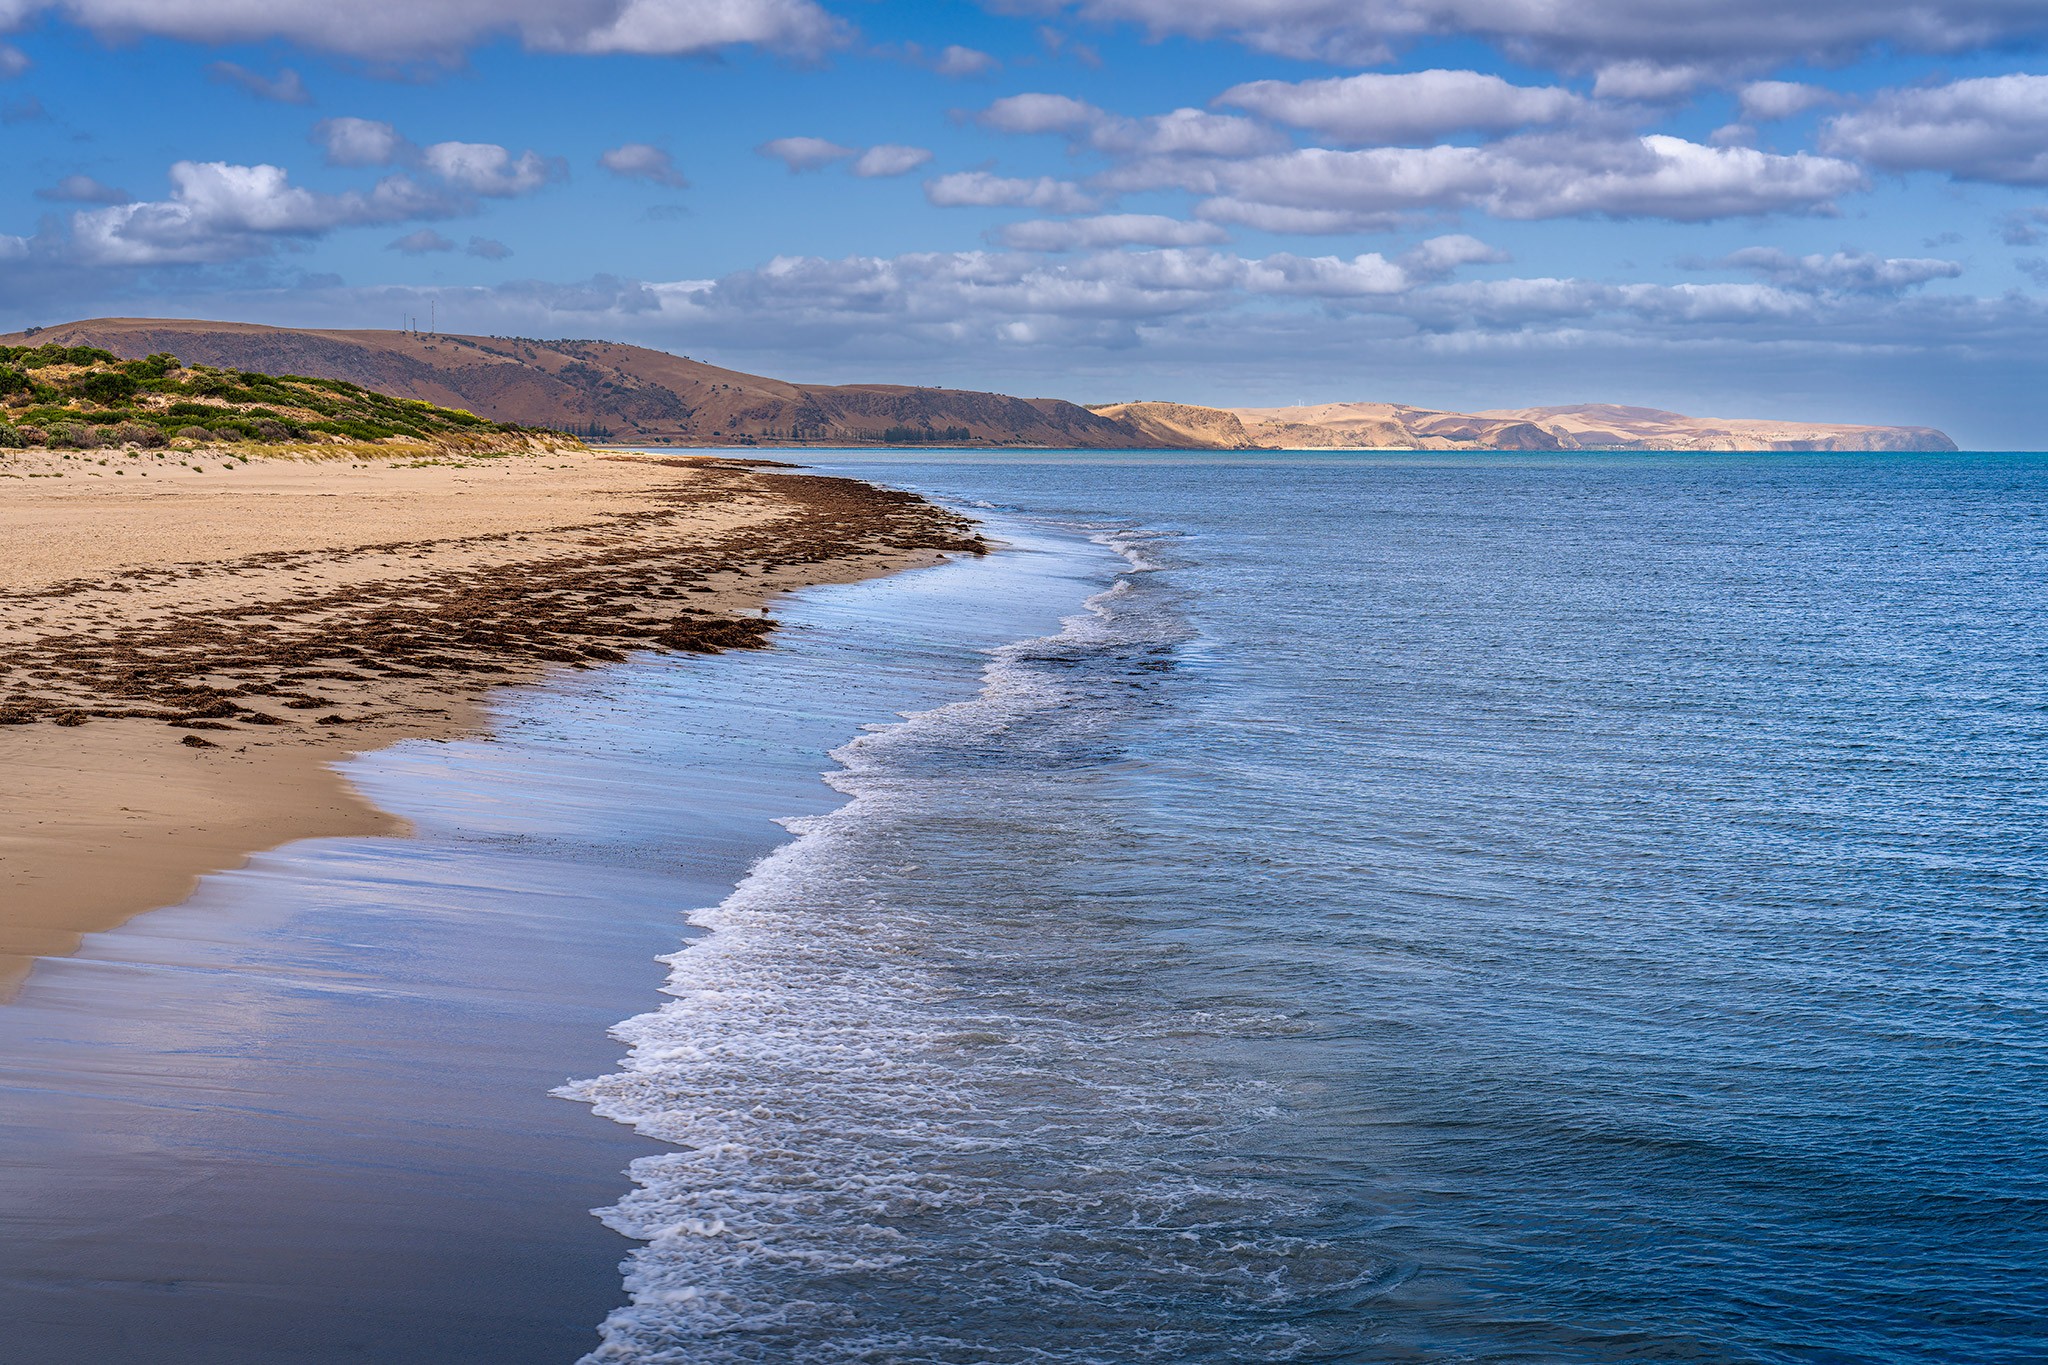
<point>886,1127</point>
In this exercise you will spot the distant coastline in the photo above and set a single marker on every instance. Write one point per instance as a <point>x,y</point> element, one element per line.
<point>605,392</point>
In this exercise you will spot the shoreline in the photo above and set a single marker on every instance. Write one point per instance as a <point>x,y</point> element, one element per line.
<point>184,663</point>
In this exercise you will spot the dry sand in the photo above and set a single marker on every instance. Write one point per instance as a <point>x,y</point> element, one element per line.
<point>182,652</point>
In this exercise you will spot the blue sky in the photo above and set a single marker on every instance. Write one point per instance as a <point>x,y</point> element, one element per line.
<point>1833,210</point>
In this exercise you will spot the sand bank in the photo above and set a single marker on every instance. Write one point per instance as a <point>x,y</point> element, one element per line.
<point>183,652</point>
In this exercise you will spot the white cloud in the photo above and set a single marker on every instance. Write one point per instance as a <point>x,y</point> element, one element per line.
<point>1439,256</point>
<point>1108,230</point>
<point>1183,132</point>
<point>220,212</point>
<point>441,28</point>
<point>1414,106</point>
<point>1320,190</point>
<point>805,153</point>
<point>83,189</point>
<point>1854,271</point>
<point>359,142</point>
<point>957,61</point>
<point>1991,128</point>
<point>487,169</point>
<point>13,61</point>
<point>2024,227</point>
<point>980,189</point>
<point>890,159</point>
<point>487,248</point>
<point>1665,33</point>
<point>1040,113</point>
<point>1637,79</point>
<point>644,161</point>
<point>1768,101</point>
<point>670,27</point>
<point>420,243</point>
<point>286,87</point>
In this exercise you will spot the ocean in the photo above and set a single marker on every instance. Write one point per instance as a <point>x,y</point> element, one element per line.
<point>1323,908</point>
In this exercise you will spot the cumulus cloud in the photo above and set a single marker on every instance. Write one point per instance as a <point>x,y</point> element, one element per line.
<point>487,169</point>
<point>13,61</point>
<point>1768,101</point>
<point>890,159</point>
<point>420,243</point>
<point>487,248</point>
<point>220,212</point>
<point>1320,190</point>
<point>2025,227</point>
<point>980,189</point>
<point>1668,34</point>
<point>1649,80</point>
<point>402,29</point>
<point>286,87</point>
<point>83,189</point>
<point>1416,106</point>
<point>359,142</point>
<point>956,60</point>
<point>1439,256</point>
<point>664,27</point>
<point>1183,132</point>
<point>1107,230</point>
<point>644,161</point>
<point>1991,128</point>
<point>476,168</point>
<point>805,153</point>
<point>1854,271</point>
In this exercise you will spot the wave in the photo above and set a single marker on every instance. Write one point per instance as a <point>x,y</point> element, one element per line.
<point>920,1091</point>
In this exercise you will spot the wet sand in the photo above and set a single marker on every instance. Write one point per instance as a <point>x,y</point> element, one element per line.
<point>304,1117</point>
<point>183,655</point>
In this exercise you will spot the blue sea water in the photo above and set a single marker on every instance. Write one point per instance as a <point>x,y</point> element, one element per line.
<point>1321,908</point>
<point>1492,909</point>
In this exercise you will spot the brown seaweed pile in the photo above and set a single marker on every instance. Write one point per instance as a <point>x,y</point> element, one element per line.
<point>337,656</point>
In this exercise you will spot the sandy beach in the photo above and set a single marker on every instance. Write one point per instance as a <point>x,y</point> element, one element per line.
<point>186,644</point>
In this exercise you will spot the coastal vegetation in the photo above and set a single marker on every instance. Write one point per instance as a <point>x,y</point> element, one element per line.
<point>85,398</point>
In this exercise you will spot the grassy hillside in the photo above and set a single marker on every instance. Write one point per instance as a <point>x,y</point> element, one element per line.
<point>82,397</point>
<point>608,391</point>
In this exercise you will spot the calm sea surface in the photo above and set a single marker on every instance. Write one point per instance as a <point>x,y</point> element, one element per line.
<point>1423,909</point>
<point>1299,908</point>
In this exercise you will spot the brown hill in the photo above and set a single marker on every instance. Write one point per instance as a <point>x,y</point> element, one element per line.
<point>608,390</point>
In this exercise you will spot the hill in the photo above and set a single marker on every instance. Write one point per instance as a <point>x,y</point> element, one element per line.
<point>1589,426</point>
<point>608,390</point>
<point>77,396</point>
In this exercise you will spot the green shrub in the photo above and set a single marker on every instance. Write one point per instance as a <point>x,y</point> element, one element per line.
<point>151,367</point>
<point>195,433</point>
<point>106,387</point>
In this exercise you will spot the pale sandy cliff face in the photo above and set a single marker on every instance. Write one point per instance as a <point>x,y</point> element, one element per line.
<point>1593,426</point>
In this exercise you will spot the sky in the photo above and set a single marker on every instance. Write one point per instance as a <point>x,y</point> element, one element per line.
<point>1831,210</point>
